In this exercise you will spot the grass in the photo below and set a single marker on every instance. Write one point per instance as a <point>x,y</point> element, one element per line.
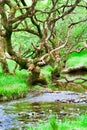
<point>79,123</point>
<point>16,85</point>
<point>76,59</point>
<point>12,86</point>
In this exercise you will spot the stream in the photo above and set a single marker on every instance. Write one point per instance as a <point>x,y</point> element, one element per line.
<point>19,114</point>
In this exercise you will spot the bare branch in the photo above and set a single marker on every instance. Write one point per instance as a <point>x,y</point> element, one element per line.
<point>80,21</point>
<point>65,13</point>
<point>60,47</point>
<point>27,30</point>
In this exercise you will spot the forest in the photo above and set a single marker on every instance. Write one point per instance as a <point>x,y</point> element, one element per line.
<point>43,60</point>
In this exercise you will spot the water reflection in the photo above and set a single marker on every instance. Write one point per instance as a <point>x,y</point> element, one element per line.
<point>10,119</point>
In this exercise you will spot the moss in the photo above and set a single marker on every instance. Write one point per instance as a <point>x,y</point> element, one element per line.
<point>13,86</point>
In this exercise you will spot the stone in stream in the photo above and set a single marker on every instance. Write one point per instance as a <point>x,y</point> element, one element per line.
<point>76,101</point>
<point>63,101</point>
<point>71,100</point>
<point>82,96</point>
<point>32,114</point>
<point>28,115</point>
<point>21,113</point>
<point>42,113</point>
<point>50,111</point>
<point>63,113</point>
<point>85,100</point>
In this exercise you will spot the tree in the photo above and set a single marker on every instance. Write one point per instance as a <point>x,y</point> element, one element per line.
<point>39,19</point>
<point>3,57</point>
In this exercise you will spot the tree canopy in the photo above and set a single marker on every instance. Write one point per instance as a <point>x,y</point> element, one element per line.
<point>51,24</point>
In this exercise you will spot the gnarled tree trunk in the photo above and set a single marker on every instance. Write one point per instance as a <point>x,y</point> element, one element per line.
<point>2,56</point>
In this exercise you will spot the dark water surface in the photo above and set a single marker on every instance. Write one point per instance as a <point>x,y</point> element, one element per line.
<point>18,114</point>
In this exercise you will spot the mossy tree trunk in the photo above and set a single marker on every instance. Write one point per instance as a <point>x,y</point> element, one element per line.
<point>3,61</point>
<point>35,76</point>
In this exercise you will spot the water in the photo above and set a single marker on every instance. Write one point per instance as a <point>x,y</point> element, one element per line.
<point>17,115</point>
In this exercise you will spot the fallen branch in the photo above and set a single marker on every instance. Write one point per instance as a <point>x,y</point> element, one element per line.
<point>76,78</point>
<point>75,69</point>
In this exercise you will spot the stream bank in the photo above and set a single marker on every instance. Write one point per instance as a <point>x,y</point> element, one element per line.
<point>19,114</point>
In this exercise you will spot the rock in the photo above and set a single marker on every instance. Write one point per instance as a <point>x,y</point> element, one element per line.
<point>62,81</point>
<point>22,114</point>
<point>50,111</point>
<point>63,101</point>
<point>63,113</point>
<point>28,115</point>
<point>42,112</point>
<point>76,101</point>
<point>85,100</point>
<point>81,96</point>
<point>34,113</point>
<point>58,100</point>
<point>71,100</point>
<point>75,69</point>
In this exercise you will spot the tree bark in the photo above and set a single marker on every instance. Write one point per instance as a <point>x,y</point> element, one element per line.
<point>3,61</point>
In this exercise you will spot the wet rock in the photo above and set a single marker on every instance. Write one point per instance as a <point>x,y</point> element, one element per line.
<point>72,93</point>
<point>81,96</point>
<point>63,113</point>
<point>76,101</point>
<point>21,113</point>
<point>33,113</point>
<point>85,100</point>
<point>63,101</point>
<point>50,111</point>
<point>28,115</point>
<point>62,81</point>
<point>47,90</point>
<point>71,100</point>
<point>57,91</point>
<point>81,100</point>
<point>42,112</point>
<point>58,100</point>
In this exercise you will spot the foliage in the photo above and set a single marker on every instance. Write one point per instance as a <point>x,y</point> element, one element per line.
<point>37,33</point>
<point>44,21</point>
<point>47,71</point>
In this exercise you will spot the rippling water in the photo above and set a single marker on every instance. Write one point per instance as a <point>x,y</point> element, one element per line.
<point>11,119</point>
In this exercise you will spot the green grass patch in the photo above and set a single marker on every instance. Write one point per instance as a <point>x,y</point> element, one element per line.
<point>76,59</point>
<point>13,86</point>
<point>79,123</point>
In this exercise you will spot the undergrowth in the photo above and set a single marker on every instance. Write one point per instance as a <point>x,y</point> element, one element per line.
<point>13,84</point>
<point>79,123</point>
